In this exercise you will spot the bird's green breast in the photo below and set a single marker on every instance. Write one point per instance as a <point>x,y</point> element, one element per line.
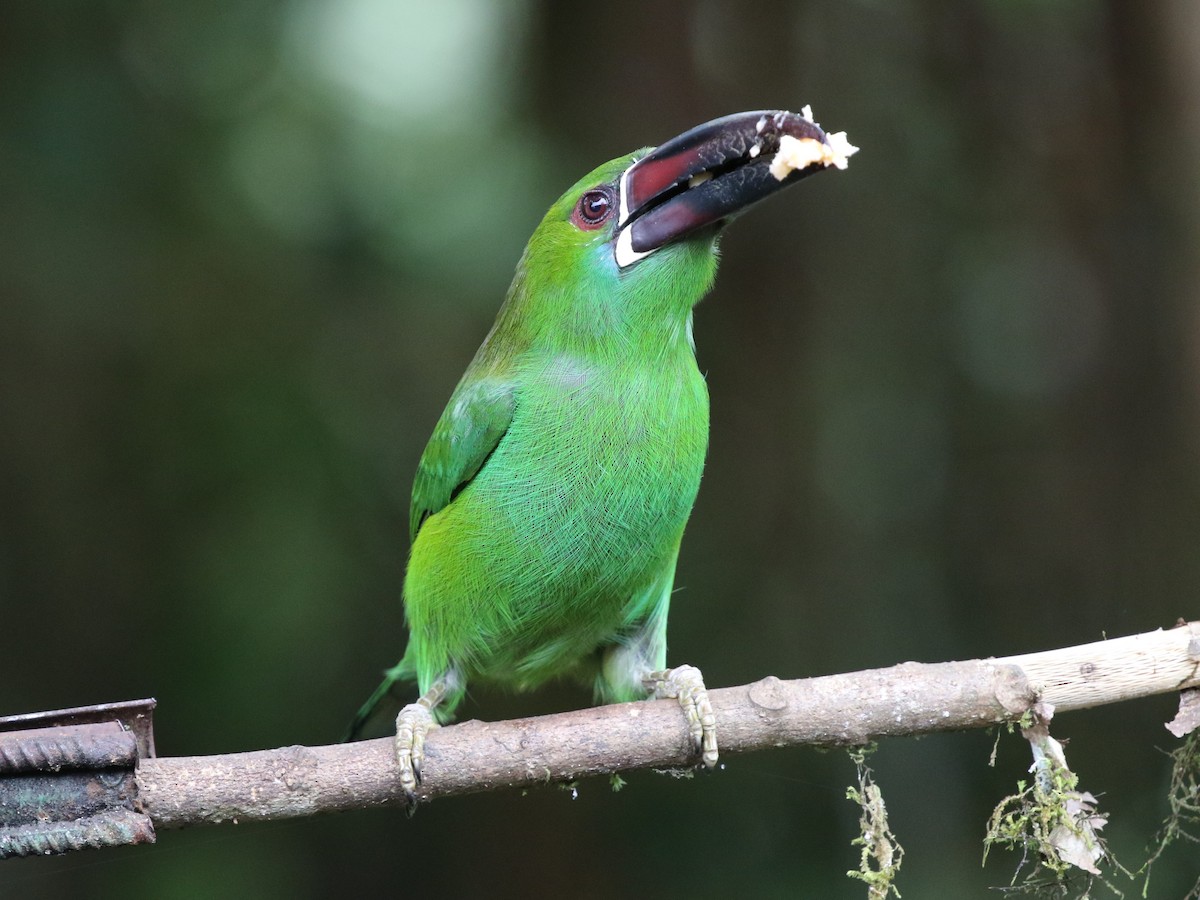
<point>581,506</point>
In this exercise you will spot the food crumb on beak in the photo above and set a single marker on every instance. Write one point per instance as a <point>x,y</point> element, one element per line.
<point>800,153</point>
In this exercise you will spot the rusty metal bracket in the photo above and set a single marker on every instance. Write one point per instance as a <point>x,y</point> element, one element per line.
<point>67,778</point>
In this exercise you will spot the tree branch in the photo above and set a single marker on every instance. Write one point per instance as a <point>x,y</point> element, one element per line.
<point>833,710</point>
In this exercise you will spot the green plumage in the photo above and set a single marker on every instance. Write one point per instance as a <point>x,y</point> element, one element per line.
<point>550,502</point>
<point>551,499</point>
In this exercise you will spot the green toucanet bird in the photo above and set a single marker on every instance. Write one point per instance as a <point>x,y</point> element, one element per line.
<point>550,502</point>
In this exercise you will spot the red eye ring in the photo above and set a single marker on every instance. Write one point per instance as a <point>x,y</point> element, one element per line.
<point>593,209</point>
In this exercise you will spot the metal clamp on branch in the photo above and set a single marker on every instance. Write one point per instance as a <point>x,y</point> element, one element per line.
<point>68,778</point>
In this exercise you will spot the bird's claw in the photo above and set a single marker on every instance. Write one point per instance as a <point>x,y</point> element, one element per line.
<point>412,725</point>
<point>686,684</point>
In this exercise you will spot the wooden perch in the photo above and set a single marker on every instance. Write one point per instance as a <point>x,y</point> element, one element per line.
<point>833,710</point>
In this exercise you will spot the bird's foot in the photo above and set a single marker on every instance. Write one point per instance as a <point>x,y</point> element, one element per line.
<point>412,725</point>
<point>686,684</point>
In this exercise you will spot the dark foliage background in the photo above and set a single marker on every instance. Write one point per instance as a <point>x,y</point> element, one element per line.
<point>247,248</point>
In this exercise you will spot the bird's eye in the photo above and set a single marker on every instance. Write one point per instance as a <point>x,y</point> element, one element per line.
<point>593,209</point>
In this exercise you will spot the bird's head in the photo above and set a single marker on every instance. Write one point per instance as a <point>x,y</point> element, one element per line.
<point>638,234</point>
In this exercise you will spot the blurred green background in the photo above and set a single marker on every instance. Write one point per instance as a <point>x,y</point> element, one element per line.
<point>246,249</point>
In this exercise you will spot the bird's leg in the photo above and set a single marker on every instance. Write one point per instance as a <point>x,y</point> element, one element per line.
<point>414,722</point>
<point>686,684</point>
<point>637,664</point>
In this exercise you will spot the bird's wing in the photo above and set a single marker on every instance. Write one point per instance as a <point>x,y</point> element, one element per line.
<point>473,423</point>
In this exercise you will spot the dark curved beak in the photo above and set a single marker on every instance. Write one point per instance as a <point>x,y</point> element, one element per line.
<point>708,175</point>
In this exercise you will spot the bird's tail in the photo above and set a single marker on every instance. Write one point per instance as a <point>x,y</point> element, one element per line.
<point>390,677</point>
